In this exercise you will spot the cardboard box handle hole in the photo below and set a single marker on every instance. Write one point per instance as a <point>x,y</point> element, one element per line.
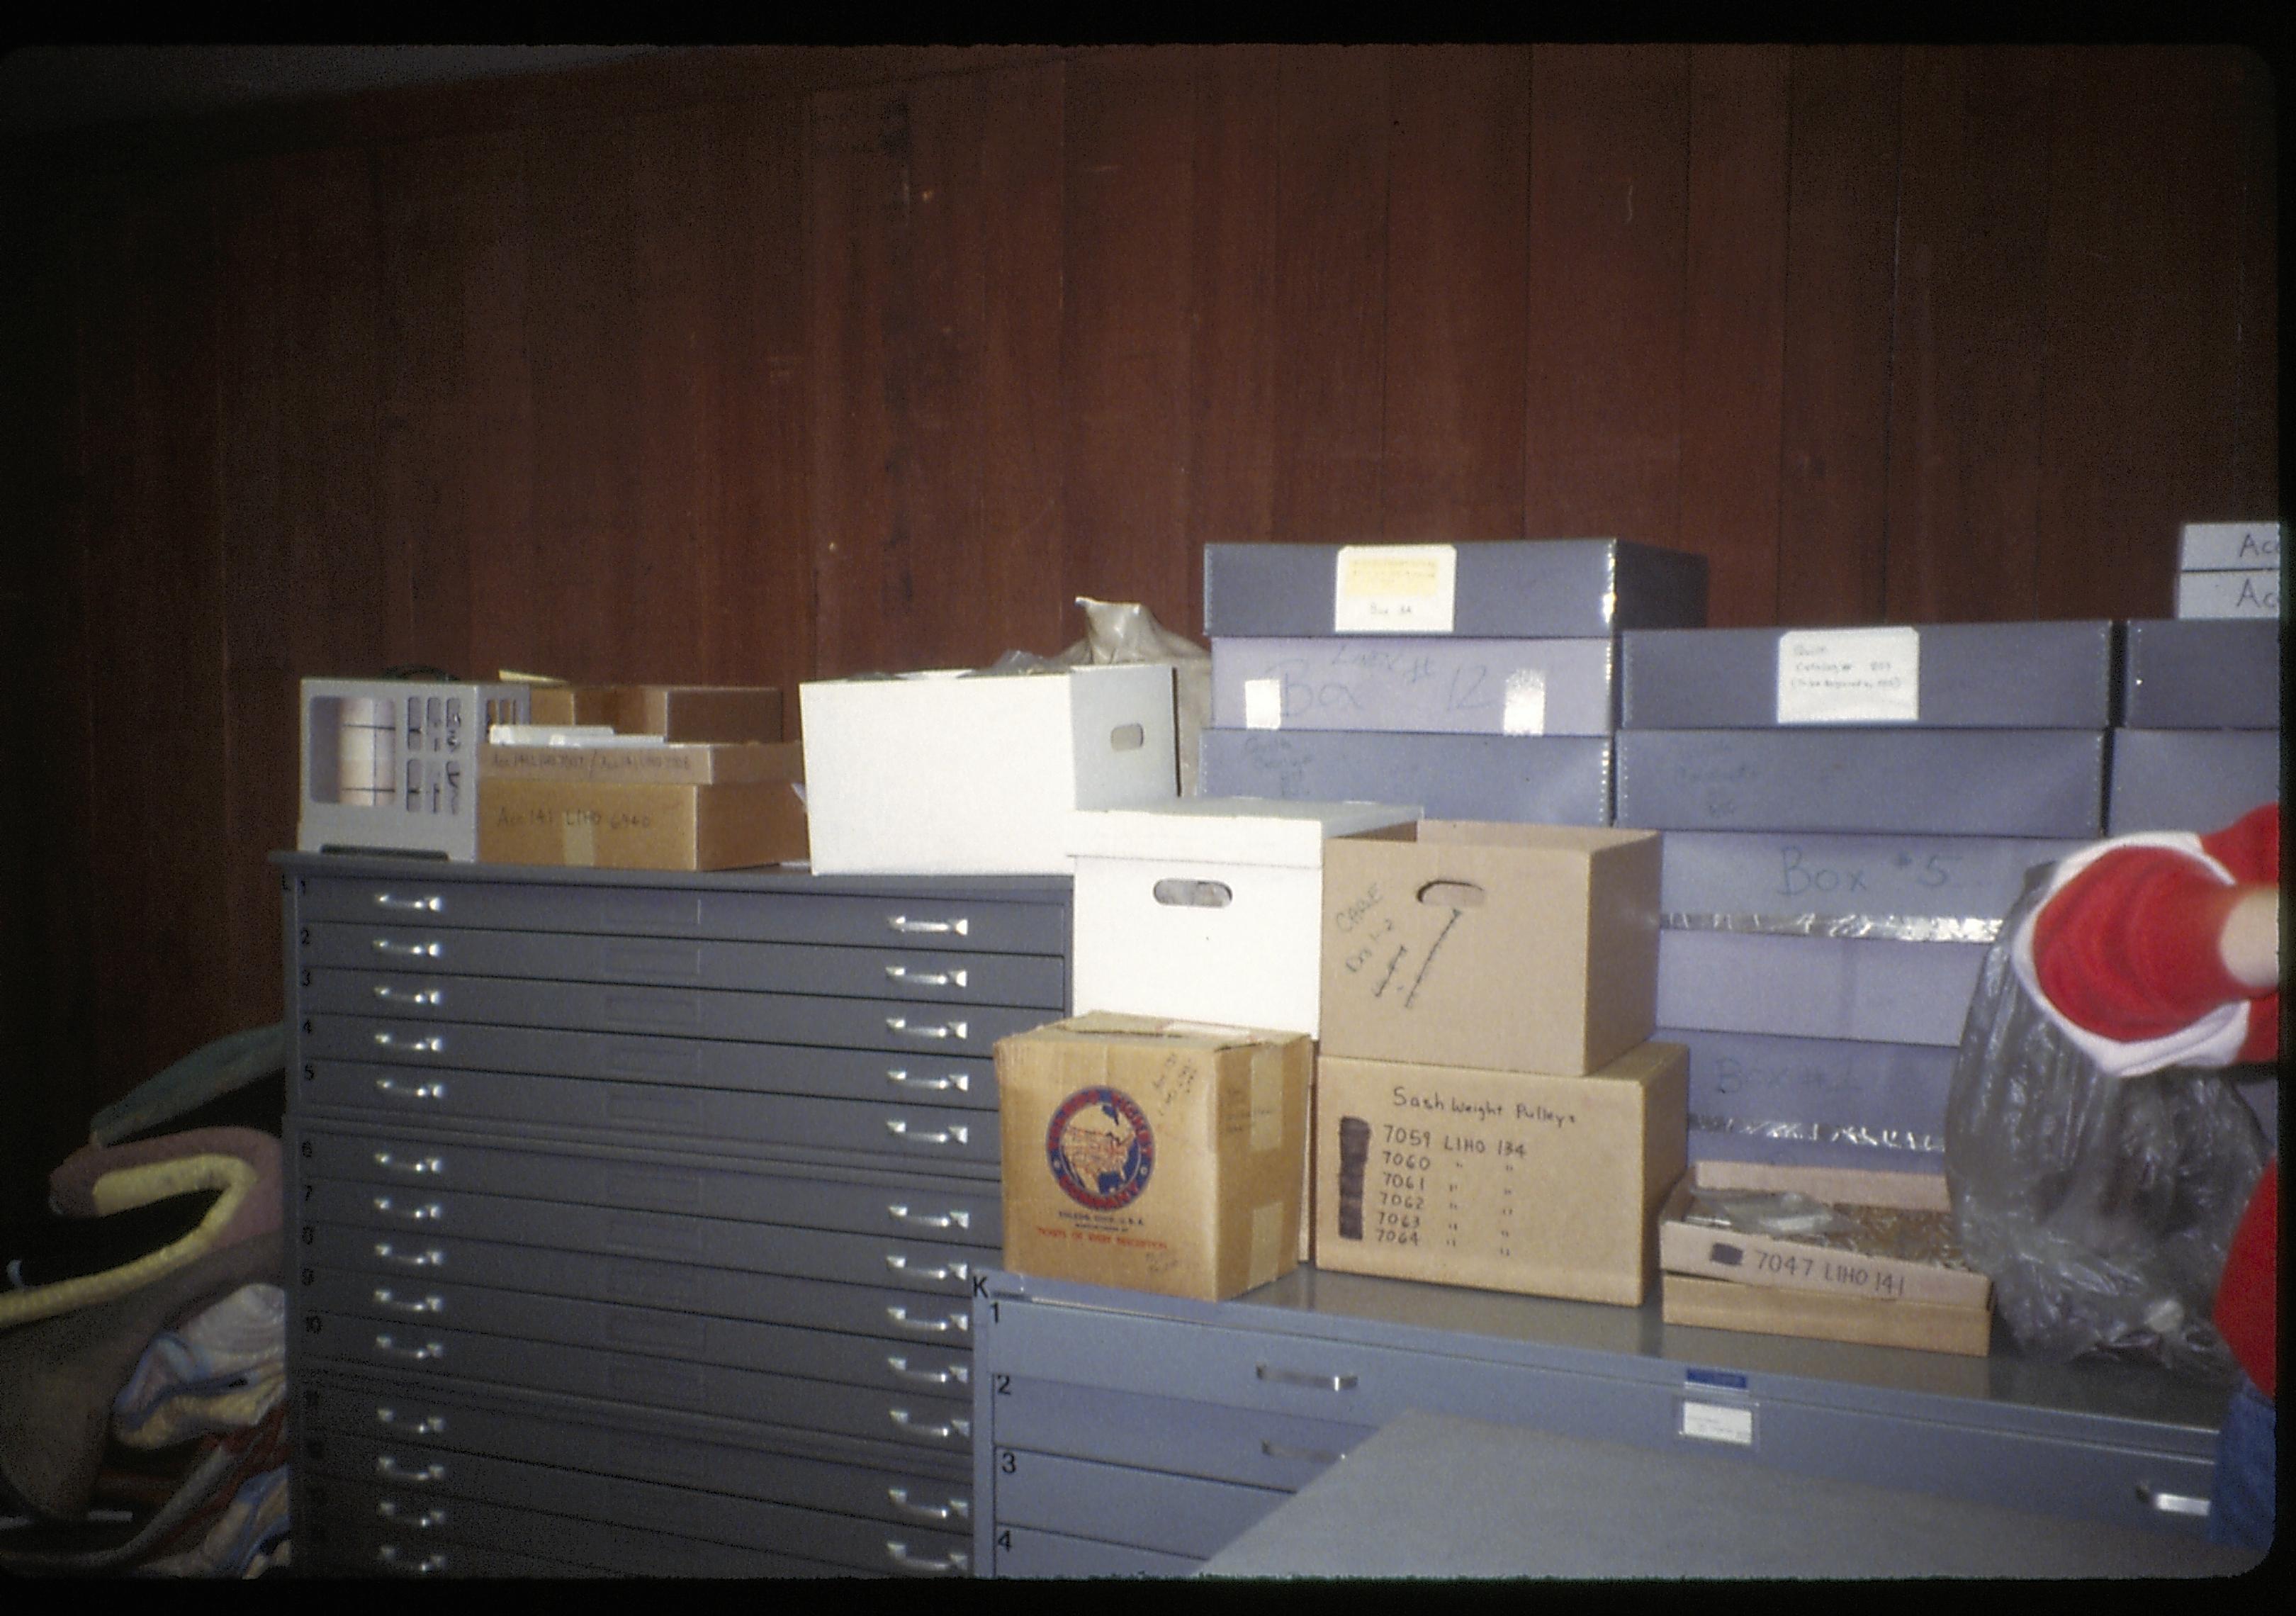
<point>1126,738</point>
<point>1451,894</point>
<point>1193,894</point>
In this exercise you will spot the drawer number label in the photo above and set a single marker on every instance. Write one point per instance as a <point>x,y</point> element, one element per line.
<point>1718,1423</point>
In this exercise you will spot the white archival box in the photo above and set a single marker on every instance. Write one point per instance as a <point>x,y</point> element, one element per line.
<point>1209,908</point>
<point>942,773</point>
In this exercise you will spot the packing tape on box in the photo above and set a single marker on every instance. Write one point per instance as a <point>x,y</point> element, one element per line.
<point>1901,928</point>
<point>578,839</point>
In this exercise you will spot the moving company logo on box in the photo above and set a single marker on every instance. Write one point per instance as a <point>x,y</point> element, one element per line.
<point>1101,1148</point>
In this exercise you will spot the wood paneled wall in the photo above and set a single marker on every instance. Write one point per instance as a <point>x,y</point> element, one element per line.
<point>758,365</point>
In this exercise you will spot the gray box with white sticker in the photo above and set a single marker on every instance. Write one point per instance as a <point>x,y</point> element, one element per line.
<point>1417,683</point>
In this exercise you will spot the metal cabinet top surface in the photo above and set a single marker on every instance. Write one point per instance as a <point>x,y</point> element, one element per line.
<point>768,878</point>
<point>1596,1338</point>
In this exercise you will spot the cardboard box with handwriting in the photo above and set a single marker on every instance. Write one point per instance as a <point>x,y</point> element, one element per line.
<point>1152,1154</point>
<point>652,807</point>
<point>1545,1186</point>
<point>1512,948</point>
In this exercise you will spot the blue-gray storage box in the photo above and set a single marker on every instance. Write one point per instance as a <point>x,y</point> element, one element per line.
<point>1528,779</point>
<point>1428,684</point>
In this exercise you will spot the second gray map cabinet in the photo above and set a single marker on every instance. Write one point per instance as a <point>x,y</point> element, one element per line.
<point>635,1217</point>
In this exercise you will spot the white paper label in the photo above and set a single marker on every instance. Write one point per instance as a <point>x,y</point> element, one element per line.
<point>2222,595</point>
<point>2213,546</point>
<point>1718,1423</point>
<point>1849,676</point>
<point>1525,711</point>
<point>1394,589</point>
<point>1263,704</point>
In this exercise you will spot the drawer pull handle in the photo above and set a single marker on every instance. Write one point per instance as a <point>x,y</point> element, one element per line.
<point>909,928</point>
<point>390,995</point>
<point>955,1509</point>
<point>1281,1450</point>
<point>946,1029</point>
<point>952,1427</point>
<point>900,1554</point>
<point>389,1554</point>
<point>384,1296</point>
<point>927,1326</point>
<point>2167,1503</point>
<point>1297,1377</point>
<point>383,944</point>
<point>958,1080</point>
<point>388,1464</point>
<point>900,1263</point>
<point>926,978</point>
<point>433,1044</point>
<point>955,1133</point>
<point>391,1509</point>
<point>410,1091</point>
<point>429,1257</point>
<point>427,1212</point>
<point>384,900</point>
<point>952,1219</point>
<point>417,1165</point>
<point>954,1374</point>
<point>429,1424</point>
<point>424,1353</point>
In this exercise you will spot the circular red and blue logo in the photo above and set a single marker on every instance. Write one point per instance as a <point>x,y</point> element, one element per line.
<point>1101,1148</point>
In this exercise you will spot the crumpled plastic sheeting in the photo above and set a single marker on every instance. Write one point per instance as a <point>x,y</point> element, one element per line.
<point>2100,1207</point>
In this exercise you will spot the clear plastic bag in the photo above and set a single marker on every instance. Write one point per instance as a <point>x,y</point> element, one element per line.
<point>2100,1207</point>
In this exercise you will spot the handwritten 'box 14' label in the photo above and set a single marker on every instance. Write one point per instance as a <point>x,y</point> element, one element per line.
<point>1504,1181</point>
<point>1511,947</point>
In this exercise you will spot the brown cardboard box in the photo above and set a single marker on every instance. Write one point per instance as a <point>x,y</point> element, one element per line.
<point>1782,1262</point>
<point>1855,1185</point>
<point>1509,1181</point>
<point>1152,1154</point>
<point>1724,1304</point>
<point>565,704</point>
<point>699,712</point>
<point>746,763</point>
<point>1509,948</point>
<point>589,825</point>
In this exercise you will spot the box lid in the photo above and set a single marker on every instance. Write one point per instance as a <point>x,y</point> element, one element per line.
<point>1235,830</point>
<point>1105,1026</point>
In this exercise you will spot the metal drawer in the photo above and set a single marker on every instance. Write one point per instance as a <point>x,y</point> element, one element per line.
<point>444,1358</point>
<point>610,1521</point>
<point>334,1544</point>
<point>850,971</point>
<point>1023,1552</point>
<point>862,1480</point>
<point>870,1270</point>
<point>770,1018</point>
<point>1256,1448</point>
<point>408,1178</point>
<point>393,1303</point>
<point>911,914</point>
<point>1147,1509</point>
<point>666,1064</point>
<point>618,1111</point>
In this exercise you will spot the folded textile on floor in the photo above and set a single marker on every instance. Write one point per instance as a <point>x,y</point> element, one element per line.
<point>222,1372</point>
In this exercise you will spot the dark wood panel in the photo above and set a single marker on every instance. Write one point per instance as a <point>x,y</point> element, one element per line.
<point>1967,361</point>
<point>2256,428</point>
<point>1841,208</point>
<point>1456,312</point>
<point>1231,291</point>
<point>1331,291</point>
<point>1734,327</point>
<point>2140,415</point>
<point>457,404</point>
<point>154,792</point>
<point>1023,484</point>
<point>1609,178</point>
<point>1128,162</point>
<point>305,588</point>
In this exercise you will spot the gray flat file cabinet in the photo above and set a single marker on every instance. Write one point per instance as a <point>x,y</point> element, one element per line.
<point>1123,1434</point>
<point>635,1217</point>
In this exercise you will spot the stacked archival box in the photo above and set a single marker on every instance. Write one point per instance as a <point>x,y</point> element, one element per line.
<point>1848,813</point>
<point>1478,679</point>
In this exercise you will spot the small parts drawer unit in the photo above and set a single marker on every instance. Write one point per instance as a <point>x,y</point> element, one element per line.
<point>1125,1434</point>
<point>636,1217</point>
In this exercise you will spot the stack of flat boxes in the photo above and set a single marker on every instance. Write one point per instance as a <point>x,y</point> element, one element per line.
<point>2198,741</point>
<point>1477,679</point>
<point>1848,813</point>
